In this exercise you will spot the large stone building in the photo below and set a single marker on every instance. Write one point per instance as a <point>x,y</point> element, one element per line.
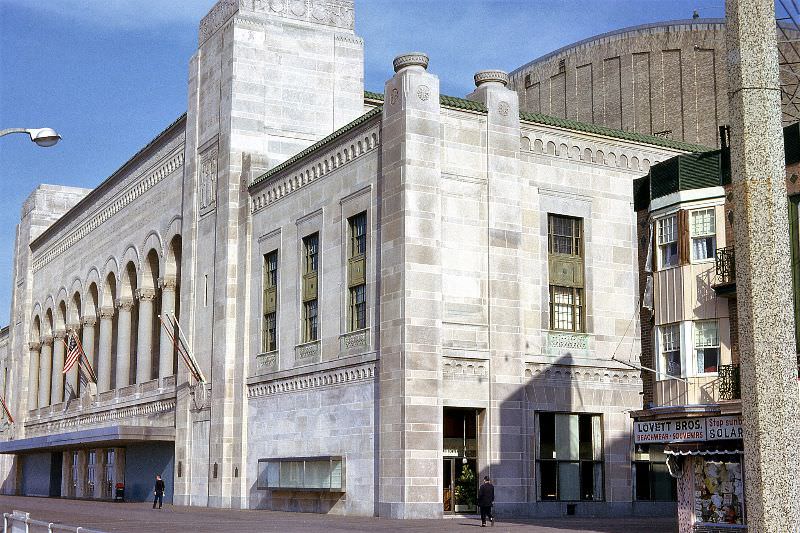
<point>666,78</point>
<point>387,295</point>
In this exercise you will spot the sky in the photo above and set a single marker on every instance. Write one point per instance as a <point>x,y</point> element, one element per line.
<point>109,75</point>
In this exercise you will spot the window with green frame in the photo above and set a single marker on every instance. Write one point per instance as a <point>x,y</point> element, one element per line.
<point>270,303</point>
<point>356,272</point>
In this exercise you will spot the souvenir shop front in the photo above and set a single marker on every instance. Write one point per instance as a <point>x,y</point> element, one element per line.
<point>705,455</point>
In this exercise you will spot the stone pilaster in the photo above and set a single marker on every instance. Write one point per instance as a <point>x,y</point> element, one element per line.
<point>71,381</point>
<point>33,387</point>
<point>104,349</point>
<point>144,339</point>
<point>411,299</point>
<point>166,355</point>
<point>123,374</point>
<point>770,408</point>
<point>45,366</point>
<point>56,372</point>
<point>506,342</point>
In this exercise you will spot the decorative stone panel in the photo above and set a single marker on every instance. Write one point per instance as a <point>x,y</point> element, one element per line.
<point>563,342</point>
<point>306,354</point>
<point>464,369</point>
<point>330,378</point>
<point>267,362</point>
<point>355,339</point>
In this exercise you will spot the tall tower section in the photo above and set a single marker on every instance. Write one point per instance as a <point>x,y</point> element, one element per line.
<point>269,78</point>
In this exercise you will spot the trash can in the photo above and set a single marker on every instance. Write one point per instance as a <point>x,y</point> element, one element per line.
<point>119,492</point>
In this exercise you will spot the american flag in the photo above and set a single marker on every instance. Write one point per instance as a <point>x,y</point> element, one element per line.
<point>73,352</point>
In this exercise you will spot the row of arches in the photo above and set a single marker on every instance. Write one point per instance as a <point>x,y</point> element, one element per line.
<point>611,159</point>
<point>116,318</point>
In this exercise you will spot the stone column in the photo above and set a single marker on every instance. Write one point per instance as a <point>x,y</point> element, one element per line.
<point>71,383</point>
<point>124,343</point>
<point>411,298</point>
<point>144,340</point>
<point>56,375</point>
<point>166,354</point>
<point>33,385</point>
<point>45,365</point>
<point>104,349</point>
<point>99,472</point>
<point>89,324</point>
<point>770,409</point>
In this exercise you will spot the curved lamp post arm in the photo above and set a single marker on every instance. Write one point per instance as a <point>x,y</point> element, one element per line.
<point>41,136</point>
<point>12,130</point>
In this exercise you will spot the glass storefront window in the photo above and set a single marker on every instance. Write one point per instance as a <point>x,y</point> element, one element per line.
<point>570,458</point>
<point>652,481</point>
<point>719,489</point>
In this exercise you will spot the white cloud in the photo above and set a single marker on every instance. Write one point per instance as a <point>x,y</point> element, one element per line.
<point>123,14</point>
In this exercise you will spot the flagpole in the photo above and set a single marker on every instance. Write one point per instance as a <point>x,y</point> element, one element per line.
<point>183,340</point>
<point>179,347</point>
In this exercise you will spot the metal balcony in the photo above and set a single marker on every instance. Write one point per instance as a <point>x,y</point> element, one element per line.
<point>725,279</point>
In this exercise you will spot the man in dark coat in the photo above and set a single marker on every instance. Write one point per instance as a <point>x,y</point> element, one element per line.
<point>486,500</point>
<point>158,492</point>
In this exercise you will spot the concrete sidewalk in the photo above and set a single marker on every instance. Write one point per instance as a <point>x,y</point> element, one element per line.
<point>140,517</point>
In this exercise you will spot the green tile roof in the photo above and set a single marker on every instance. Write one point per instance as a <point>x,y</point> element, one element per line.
<point>547,120</point>
<point>453,102</point>
<point>319,144</point>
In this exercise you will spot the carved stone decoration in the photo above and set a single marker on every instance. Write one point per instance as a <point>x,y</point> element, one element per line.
<point>503,108</point>
<point>423,92</point>
<point>207,182</point>
<point>491,76</point>
<point>395,95</point>
<point>145,294</point>
<point>568,341</point>
<point>336,13</point>
<point>267,362</point>
<point>355,339</point>
<point>412,59</point>
<point>218,15</point>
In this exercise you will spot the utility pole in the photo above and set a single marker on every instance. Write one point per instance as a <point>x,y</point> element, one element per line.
<point>770,411</point>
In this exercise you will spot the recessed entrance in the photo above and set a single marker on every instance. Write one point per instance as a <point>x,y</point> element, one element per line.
<point>460,460</point>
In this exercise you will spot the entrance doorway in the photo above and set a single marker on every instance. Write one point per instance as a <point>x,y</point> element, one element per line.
<point>460,460</point>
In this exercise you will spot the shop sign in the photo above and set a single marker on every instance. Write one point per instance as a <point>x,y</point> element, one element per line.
<point>688,429</point>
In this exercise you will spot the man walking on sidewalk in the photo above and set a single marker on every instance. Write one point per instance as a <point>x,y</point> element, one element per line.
<point>486,500</point>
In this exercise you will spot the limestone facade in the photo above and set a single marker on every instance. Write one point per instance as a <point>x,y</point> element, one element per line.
<point>352,273</point>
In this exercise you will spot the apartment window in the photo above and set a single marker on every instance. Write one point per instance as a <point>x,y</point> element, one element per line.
<point>706,345</point>
<point>566,308</point>
<point>570,457</point>
<point>702,228</point>
<point>667,238</point>
<point>310,317</point>
<point>565,247</point>
<point>652,481</point>
<point>671,349</point>
<point>356,272</point>
<point>269,332</point>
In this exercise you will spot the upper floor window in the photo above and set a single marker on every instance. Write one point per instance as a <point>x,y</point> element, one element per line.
<point>671,349</point>
<point>706,345</point>
<point>703,232</point>
<point>667,240</point>
<point>356,272</point>
<point>310,318</point>
<point>564,235</point>
<point>566,308</point>
<point>270,303</point>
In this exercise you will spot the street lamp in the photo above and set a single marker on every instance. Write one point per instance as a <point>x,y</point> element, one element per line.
<point>42,136</point>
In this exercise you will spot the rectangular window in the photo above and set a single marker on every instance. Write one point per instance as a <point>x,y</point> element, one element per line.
<point>108,475</point>
<point>310,331</point>
<point>671,349</point>
<point>90,470</point>
<point>570,457</point>
<point>652,481</point>
<point>702,228</point>
<point>564,235</point>
<point>310,317</point>
<point>706,345</point>
<point>302,473</point>
<point>667,239</point>
<point>270,304</point>
<point>566,308</point>
<point>356,272</point>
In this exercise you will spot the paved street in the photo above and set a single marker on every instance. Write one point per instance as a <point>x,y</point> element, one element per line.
<point>138,517</point>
